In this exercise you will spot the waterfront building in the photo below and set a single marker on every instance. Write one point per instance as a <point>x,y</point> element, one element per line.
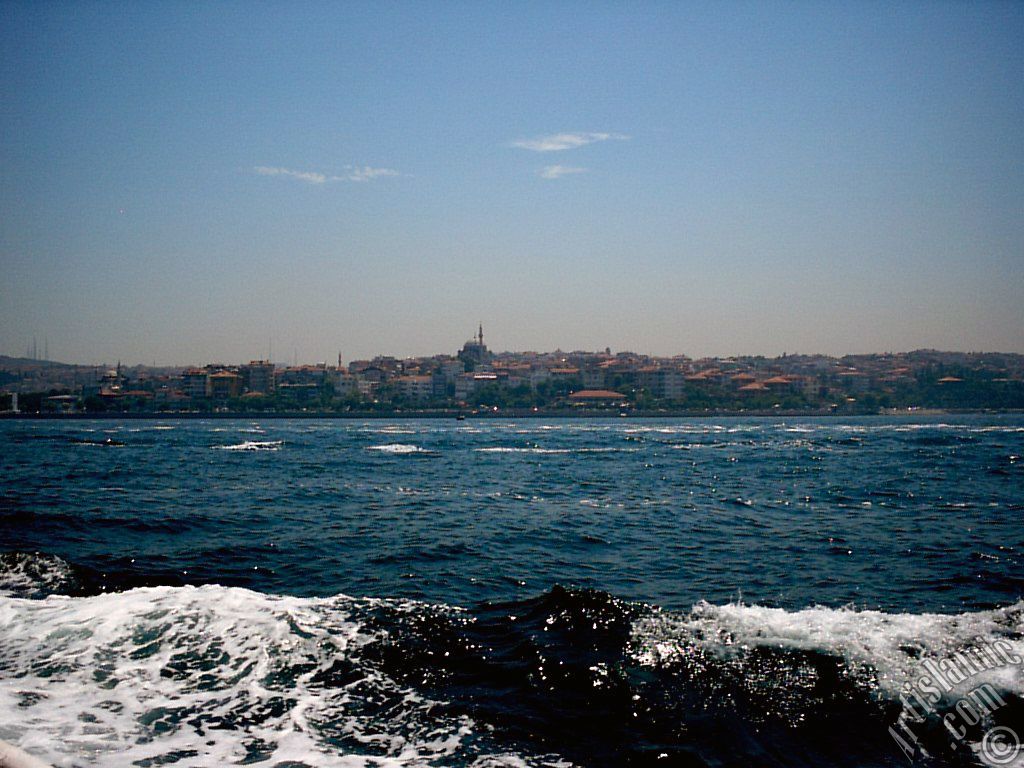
<point>258,377</point>
<point>345,382</point>
<point>224,385</point>
<point>417,388</point>
<point>195,383</point>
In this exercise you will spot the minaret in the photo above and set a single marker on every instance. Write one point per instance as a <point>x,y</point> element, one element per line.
<point>481,336</point>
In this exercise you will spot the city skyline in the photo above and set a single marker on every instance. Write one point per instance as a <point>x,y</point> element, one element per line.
<point>38,353</point>
<point>187,184</point>
<point>527,383</point>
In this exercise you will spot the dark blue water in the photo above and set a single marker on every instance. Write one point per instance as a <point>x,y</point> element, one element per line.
<point>619,592</point>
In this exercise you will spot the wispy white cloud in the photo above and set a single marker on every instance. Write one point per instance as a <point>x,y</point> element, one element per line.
<point>560,141</point>
<point>558,171</point>
<point>352,173</point>
<point>311,177</point>
<point>366,173</point>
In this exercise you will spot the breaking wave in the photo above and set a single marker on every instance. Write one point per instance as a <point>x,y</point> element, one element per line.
<point>539,450</point>
<point>399,448</point>
<point>212,675</point>
<point>253,445</point>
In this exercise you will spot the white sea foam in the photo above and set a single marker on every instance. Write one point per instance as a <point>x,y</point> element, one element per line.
<point>677,429</point>
<point>208,676</point>
<point>885,655</point>
<point>27,575</point>
<point>515,761</point>
<point>388,430</point>
<point>400,448</point>
<point>894,646</point>
<point>714,444</point>
<point>571,427</point>
<point>253,445</point>
<point>511,449</point>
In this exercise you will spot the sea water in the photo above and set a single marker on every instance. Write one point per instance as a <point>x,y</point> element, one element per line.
<point>742,591</point>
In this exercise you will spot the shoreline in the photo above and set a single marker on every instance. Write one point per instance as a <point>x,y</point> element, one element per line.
<point>506,414</point>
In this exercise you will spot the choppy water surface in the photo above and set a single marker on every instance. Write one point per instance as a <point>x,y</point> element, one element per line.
<point>620,592</point>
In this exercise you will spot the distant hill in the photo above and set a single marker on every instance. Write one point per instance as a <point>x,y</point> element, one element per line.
<point>23,365</point>
<point>27,363</point>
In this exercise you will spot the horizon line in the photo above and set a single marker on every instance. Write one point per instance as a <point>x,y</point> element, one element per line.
<point>285,363</point>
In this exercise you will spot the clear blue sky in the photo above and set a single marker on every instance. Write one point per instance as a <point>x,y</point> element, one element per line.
<point>191,182</point>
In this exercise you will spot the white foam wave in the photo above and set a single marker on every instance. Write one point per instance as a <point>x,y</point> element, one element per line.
<point>399,448</point>
<point>511,449</point>
<point>213,676</point>
<point>894,646</point>
<point>713,444</point>
<point>253,445</point>
<point>678,429</point>
<point>29,575</point>
<point>515,761</point>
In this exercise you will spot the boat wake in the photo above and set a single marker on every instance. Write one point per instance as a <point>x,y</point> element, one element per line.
<point>213,675</point>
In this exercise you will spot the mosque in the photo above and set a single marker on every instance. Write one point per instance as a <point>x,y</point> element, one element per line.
<point>474,352</point>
